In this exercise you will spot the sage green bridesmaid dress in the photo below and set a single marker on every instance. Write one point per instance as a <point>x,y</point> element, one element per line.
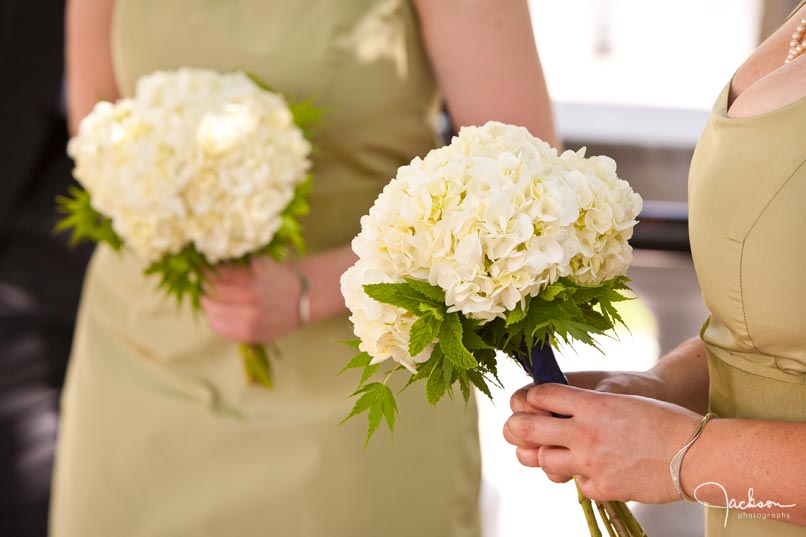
<point>161,434</point>
<point>747,190</point>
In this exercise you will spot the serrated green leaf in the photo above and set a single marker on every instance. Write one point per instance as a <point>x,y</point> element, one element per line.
<point>362,359</point>
<point>378,400</point>
<point>84,223</point>
<point>435,386</point>
<point>182,275</point>
<point>472,335</point>
<point>395,294</point>
<point>464,385</point>
<point>517,315</point>
<point>369,371</point>
<point>550,292</point>
<point>354,343</point>
<point>425,369</point>
<point>426,289</point>
<point>422,333</point>
<point>364,402</point>
<point>389,409</point>
<point>450,341</point>
<point>374,418</point>
<point>479,382</point>
<point>434,311</point>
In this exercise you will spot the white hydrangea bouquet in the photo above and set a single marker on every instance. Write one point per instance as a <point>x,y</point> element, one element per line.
<point>198,168</point>
<point>495,244</point>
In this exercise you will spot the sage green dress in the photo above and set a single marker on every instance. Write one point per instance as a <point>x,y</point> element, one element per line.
<point>161,435</point>
<point>747,191</point>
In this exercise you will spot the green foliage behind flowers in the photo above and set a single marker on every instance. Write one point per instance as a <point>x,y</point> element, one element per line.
<point>465,352</point>
<point>83,221</point>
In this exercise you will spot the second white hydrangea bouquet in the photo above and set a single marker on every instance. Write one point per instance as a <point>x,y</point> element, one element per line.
<point>495,244</point>
<point>197,168</point>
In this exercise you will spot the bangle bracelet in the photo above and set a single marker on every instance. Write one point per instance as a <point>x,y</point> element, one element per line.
<point>304,296</point>
<point>677,460</point>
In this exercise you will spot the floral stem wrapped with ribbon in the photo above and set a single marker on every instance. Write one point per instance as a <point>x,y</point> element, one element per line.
<point>199,168</point>
<point>493,245</point>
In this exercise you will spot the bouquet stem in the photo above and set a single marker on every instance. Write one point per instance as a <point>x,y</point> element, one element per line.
<point>256,364</point>
<point>611,532</point>
<point>629,519</point>
<point>587,508</point>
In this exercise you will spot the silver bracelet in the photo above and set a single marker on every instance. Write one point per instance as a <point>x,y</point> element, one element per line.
<point>677,460</point>
<point>304,297</point>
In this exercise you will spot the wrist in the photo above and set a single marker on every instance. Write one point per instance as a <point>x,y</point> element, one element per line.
<point>304,297</point>
<point>689,471</point>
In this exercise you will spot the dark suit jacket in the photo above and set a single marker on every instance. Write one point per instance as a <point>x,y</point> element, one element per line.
<point>34,167</point>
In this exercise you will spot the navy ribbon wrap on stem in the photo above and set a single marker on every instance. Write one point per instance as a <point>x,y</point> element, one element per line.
<point>544,367</point>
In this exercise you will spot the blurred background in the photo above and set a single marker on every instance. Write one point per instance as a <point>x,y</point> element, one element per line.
<point>633,79</point>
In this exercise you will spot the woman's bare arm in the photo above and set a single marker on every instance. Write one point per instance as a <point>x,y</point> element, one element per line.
<point>88,61</point>
<point>486,62</point>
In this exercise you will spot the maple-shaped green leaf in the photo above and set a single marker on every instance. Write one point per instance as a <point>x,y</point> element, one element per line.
<point>369,371</point>
<point>362,359</point>
<point>550,292</point>
<point>517,315</point>
<point>378,400</point>
<point>479,382</point>
<point>352,343</point>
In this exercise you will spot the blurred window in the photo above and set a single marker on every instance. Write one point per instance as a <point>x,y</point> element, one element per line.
<point>643,59</point>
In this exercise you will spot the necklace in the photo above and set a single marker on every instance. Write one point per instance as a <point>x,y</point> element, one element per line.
<point>797,47</point>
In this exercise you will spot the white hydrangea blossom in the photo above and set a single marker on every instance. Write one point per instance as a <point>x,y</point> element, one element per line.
<point>382,329</point>
<point>194,157</point>
<point>491,219</point>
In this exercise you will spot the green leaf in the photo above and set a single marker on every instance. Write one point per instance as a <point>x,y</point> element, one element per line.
<point>450,341</point>
<point>369,371</point>
<point>426,289</point>
<point>83,221</point>
<point>389,407</point>
<point>479,382</point>
<point>550,292</point>
<point>395,294</point>
<point>306,115</point>
<point>182,275</point>
<point>423,332</point>
<point>259,82</point>
<point>464,385</point>
<point>436,386</point>
<point>378,400</point>
<point>354,343</point>
<point>471,335</point>
<point>425,369</point>
<point>517,315</point>
<point>361,359</point>
<point>434,311</point>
